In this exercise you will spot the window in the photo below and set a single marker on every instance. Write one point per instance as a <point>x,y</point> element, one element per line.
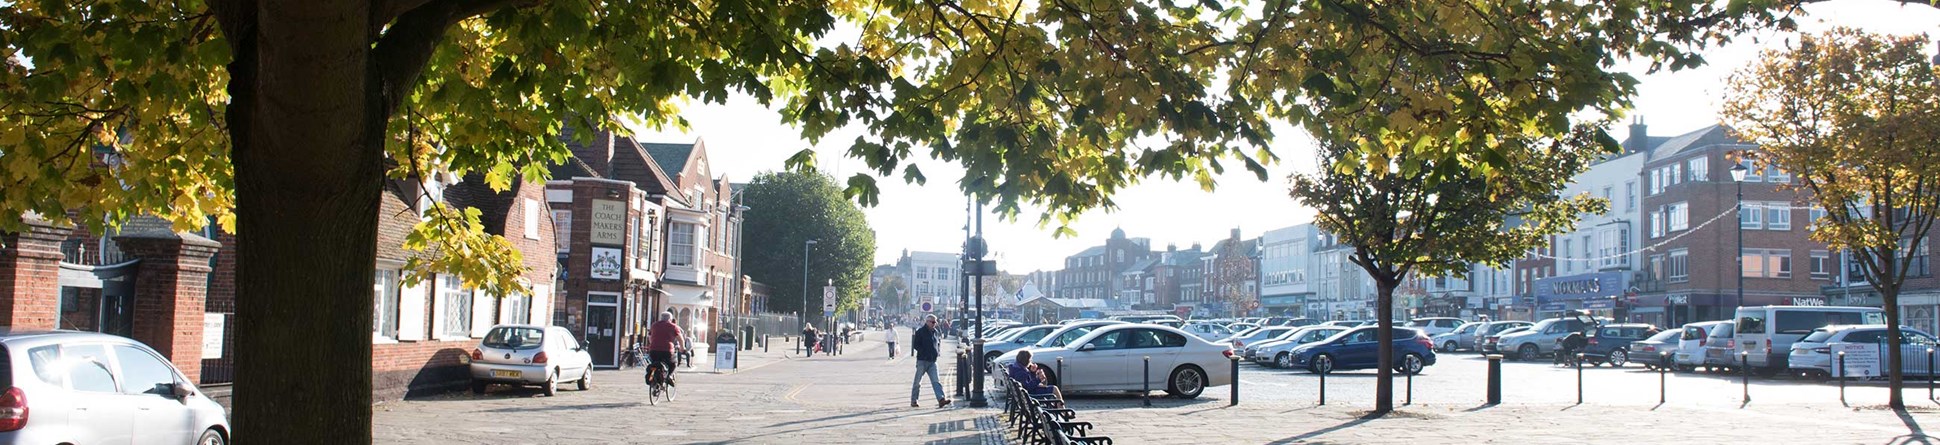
<point>1700,168</point>
<point>1751,215</point>
<point>386,290</point>
<point>1752,174</point>
<point>1917,265</point>
<point>922,273</point>
<point>87,368</point>
<point>1813,215</point>
<point>1679,265</point>
<point>531,218</point>
<point>143,373</point>
<point>1656,224</point>
<point>1565,253</point>
<point>1655,181</point>
<point>1675,176</point>
<point>1767,263</point>
<point>680,245</point>
<point>458,306</point>
<point>1773,174</point>
<point>518,308</point>
<point>643,242</point>
<point>1112,340</point>
<point>943,273</point>
<point>1821,265</point>
<point>1609,196</point>
<point>1657,267</point>
<point>1778,216</point>
<point>1680,216</point>
<point>562,229</point>
<point>1630,195</point>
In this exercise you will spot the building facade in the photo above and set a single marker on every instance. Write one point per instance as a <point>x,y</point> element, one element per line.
<point>1286,262</point>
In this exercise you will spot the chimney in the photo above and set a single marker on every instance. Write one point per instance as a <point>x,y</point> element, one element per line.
<point>1639,139</point>
<point>1171,247</point>
<point>1235,233</point>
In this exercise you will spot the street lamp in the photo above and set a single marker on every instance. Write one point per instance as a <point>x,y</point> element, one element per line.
<point>1738,173</point>
<point>805,245</point>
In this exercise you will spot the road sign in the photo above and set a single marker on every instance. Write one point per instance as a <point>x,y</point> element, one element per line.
<point>929,304</point>
<point>828,298</point>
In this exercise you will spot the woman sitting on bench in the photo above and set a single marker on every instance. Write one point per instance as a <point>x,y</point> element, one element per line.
<point>1031,377</point>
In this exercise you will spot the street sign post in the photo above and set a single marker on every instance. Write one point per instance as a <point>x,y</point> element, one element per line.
<point>828,301</point>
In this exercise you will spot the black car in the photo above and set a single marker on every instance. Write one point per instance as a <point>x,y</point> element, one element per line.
<point>1610,343</point>
<point>1658,351</point>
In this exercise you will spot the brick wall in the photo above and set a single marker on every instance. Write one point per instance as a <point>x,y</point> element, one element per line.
<point>30,275</point>
<point>171,284</point>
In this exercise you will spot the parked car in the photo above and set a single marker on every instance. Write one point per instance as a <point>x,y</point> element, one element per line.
<point>1493,344</point>
<point>1242,340</point>
<point>1346,323</point>
<point>1766,333</point>
<point>1692,341</point>
<point>1207,331</point>
<point>1462,337</point>
<point>1720,347</point>
<point>530,355</point>
<point>1358,349</point>
<point>1655,352</point>
<point>1540,340</point>
<point>1111,358</point>
<point>1145,318</point>
<point>1434,326</point>
<point>86,387</point>
<point>1816,355</point>
<point>1065,334</point>
<point>1279,353</point>
<point>1241,327</point>
<point>1610,343</point>
<point>1018,338</point>
<point>1495,328</point>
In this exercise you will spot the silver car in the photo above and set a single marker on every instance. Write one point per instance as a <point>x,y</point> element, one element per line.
<point>1462,337</point>
<point>523,354</point>
<point>86,388</point>
<point>1279,353</point>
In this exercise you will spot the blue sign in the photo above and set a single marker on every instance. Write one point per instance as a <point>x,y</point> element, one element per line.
<point>1580,287</point>
<point>1289,300</point>
<point>1552,307</point>
<point>1090,314</point>
<point>1600,304</point>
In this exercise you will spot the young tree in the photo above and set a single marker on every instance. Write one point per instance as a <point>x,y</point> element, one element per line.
<point>1855,118</point>
<point>785,210</point>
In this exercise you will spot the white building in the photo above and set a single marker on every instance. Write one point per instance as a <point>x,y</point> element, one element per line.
<point>933,276</point>
<point>1286,263</point>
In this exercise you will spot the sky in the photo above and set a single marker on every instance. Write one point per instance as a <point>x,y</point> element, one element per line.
<point>744,139</point>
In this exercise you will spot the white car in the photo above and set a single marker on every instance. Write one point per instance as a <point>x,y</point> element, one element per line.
<point>1016,338</point>
<point>1814,356</point>
<point>1242,340</point>
<point>86,388</point>
<point>1112,358</point>
<point>523,354</point>
<point>1691,344</point>
<point>1278,354</point>
<point>1208,331</point>
<point>1434,326</point>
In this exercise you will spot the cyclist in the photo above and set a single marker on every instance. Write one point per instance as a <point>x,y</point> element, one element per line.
<point>662,340</point>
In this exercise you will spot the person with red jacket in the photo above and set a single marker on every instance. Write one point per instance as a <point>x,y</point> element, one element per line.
<point>662,340</point>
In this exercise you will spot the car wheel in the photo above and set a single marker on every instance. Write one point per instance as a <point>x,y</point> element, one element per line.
<point>1618,358</point>
<point>478,387</point>
<point>1448,347</point>
<point>1411,364</point>
<point>552,384</point>
<point>586,380</point>
<point>1528,352</point>
<point>990,360</point>
<point>1322,364</point>
<point>1186,382</point>
<point>1050,377</point>
<point>1284,360</point>
<point>211,437</point>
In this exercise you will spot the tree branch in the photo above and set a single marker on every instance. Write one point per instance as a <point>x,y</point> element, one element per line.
<point>400,55</point>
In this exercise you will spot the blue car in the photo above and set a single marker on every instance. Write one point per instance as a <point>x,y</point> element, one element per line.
<point>1358,349</point>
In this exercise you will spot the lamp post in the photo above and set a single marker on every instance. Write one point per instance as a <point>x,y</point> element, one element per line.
<point>1738,172</point>
<point>805,245</point>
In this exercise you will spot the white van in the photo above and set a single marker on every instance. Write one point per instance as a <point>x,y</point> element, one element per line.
<point>1767,332</point>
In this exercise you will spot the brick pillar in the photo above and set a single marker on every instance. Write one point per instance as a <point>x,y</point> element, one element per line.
<point>171,285</point>
<point>30,269</point>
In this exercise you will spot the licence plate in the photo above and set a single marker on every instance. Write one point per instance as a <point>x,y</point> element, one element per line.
<point>504,373</point>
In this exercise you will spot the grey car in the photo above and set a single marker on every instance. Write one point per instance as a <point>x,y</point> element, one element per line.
<point>1463,337</point>
<point>92,388</point>
<point>1541,340</point>
<point>1495,328</point>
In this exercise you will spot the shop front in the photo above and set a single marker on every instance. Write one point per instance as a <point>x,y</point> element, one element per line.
<point>1594,293</point>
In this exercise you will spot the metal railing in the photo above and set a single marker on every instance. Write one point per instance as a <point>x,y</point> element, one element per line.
<point>92,251</point>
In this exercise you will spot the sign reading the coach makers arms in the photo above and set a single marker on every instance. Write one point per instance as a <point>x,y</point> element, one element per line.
<point>609,223</point>
<point>606,264</point>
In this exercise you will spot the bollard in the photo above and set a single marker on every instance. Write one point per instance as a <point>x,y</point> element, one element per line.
<point>1060,377</point>
<point>1744,362</point>
<point>1662,373</point>
<point>1932,374</point>
<point>1323,388</point>
<point>1842,377</point>
<point>1148,382</point>
<point>1235,400</point>
<point>1495,379</point>
<point>1579,378</point>
<point>798,346</point>
<point>1411,390</point>
<point>764,343</point>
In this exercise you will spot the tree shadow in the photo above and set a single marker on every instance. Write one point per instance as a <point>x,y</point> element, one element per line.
<point>1914,434</point>
<point>1365,418</point>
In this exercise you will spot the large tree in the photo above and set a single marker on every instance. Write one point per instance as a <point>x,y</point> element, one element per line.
<point>291,113</point>
<point>787,209</point>
<point>1855,119</point>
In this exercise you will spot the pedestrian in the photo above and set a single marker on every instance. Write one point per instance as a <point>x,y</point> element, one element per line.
<point>808,340</point>
<point>925,343</point>
<point>889,335</point>
<point>1031,377</point>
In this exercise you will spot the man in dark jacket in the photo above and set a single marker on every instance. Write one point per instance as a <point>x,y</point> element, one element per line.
<point>925,344</point>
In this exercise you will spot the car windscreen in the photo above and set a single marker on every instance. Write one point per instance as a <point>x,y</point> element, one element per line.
<point>1803,322</point>
<point>1032,336</point>
<point>1542,326</point>
<point>507,337</point>
<point>1666,336</point>
<point>1066,337</point>
<point>1818,336</point>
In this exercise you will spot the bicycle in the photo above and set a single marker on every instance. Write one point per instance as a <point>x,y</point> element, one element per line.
<point>633,357</point>
<point>659,384</point>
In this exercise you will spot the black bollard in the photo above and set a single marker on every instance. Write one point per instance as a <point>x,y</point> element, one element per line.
<point>1579,378</point>
<point>1235,400</point>
<point>1842,377</point>
<point>1060,377</point>
<point>1323,387</point>
<point>1662,372</point>
<point>1147,379</point>
<point>1744,361</point>
<point>764,343</point>
<point>1932,374</point>
<point>1411,390</point>
<point>1495,379</point>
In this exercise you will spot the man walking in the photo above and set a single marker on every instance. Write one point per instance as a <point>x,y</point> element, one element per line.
<point>925,343</point>
<point>889,335</point>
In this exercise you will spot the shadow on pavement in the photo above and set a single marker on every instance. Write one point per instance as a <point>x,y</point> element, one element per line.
<point>843,416</point>
<point>522,409</point>
<point>1914,433</point>
<point>1323,431</point>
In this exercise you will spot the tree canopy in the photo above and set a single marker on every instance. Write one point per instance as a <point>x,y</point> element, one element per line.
<point>1854,117</point>
<point>787,209</point>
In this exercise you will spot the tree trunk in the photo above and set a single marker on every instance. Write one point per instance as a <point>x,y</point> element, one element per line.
<point>1384,364</point>
<point>1895,380</point>
<point>307,129</point>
